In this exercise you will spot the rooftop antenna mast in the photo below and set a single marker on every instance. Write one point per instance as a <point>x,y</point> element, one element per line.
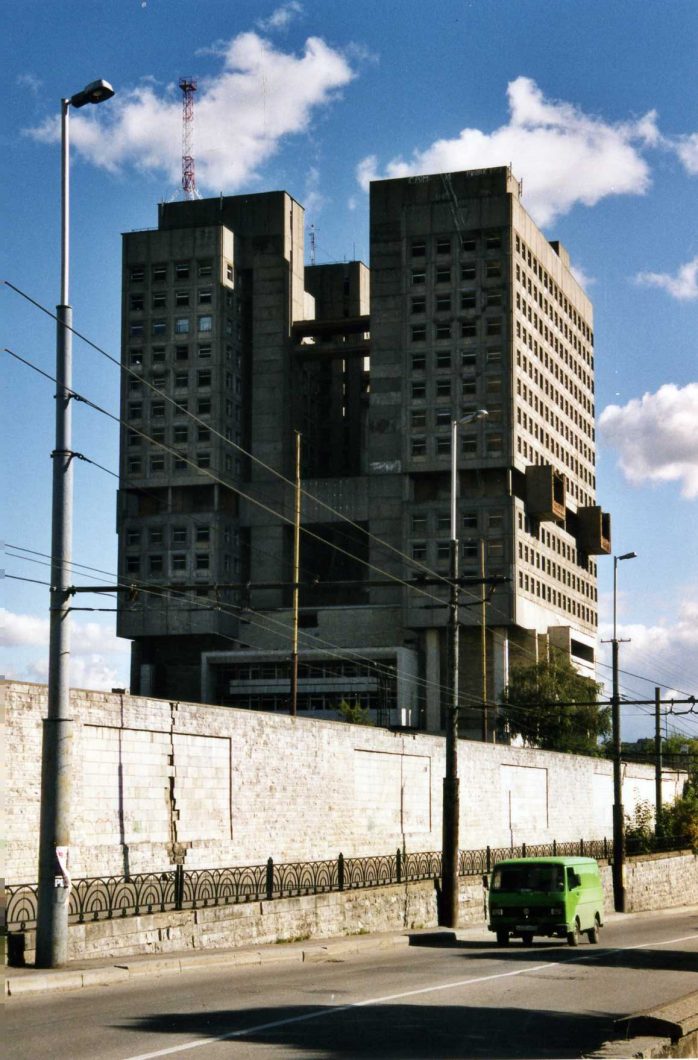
<point>188,87</point>
<point>312,244</point>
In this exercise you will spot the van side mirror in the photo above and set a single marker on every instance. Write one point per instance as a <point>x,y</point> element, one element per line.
<point>576,880</point>
<point>485,881</point>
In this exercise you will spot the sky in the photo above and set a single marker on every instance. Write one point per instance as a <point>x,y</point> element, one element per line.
<point>592,102</point>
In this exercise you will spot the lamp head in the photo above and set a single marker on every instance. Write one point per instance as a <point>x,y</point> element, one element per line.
<point>95,92</point>
<point>627,555</point>
<point>472,417</point>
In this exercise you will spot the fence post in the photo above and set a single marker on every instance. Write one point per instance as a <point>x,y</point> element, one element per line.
<point>554,848</point>
<point>581,848</point>
<point>340,872</point>
<point>489,861</point>
<point>270,879</point>
<point>523,850</point>
<point>179,886</point>
<point>398,863</point>
<point>605,848</point>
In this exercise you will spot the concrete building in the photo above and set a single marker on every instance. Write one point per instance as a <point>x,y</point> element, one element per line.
<point>231,345</point>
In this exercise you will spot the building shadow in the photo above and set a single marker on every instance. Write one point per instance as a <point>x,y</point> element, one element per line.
<point>387,1030</point>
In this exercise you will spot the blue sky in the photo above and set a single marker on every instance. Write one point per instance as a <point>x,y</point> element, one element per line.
<point>593,103</point>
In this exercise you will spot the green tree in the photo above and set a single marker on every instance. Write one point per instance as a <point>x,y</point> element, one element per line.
<point>354,713</point>
<point>531,710</point>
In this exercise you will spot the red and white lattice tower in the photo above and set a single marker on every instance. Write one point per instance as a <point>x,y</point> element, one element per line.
<point>188,87</point>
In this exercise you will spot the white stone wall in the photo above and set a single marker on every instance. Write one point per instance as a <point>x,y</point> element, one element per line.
<point>156,782</point>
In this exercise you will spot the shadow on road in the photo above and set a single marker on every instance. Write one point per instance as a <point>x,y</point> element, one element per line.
<point>663,958</point>
<point>385,1030</point>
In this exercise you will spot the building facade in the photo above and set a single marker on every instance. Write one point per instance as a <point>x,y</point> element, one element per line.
<point>231,346</point>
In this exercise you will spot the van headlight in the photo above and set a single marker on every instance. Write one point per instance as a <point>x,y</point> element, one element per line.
<point>556,910</point>
<point>497,912</point>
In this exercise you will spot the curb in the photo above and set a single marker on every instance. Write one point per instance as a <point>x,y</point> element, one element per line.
<point>32,983</point>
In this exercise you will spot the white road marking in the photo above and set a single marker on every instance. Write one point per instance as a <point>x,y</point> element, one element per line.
<point>198,1042</point>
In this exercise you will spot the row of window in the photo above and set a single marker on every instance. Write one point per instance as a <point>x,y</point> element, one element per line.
<point>440,445</point>
<point>544,408</point>
<point>469,243</point>
<point>442,417</point>
<point>444,359</point>
<point>555,597</point>
<point>467,329</point>
<point>158,409</point>
<point>178,535</point>
<point>573,361</point>
<point>469,552</point>
<point>467,273</point>
<point>441,521</point>
<point>581,400</point>
<point>162,272</point>
<point>161,463</point>
<point>180,326</point>
<point>159,299</point>
<point>180,352</point>
<point>549,285</point>
<point>440,389</point>
<point>468,300</point>
<point>176,563</point>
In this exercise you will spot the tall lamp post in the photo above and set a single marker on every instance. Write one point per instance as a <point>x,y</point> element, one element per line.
<point>618,818</point>
<point>451,798</point>
<point>54,828</point>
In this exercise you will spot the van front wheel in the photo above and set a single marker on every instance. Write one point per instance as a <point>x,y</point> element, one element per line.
<point>573,935</point>
<point>593,933</point>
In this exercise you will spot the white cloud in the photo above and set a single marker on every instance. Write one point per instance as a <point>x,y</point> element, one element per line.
<point>563,155</point>
<point>242,115</point>
<point>683,286</point>
<point>656,437</point>
<point>581,277</point>
<point>313,199</point>
<point>281,17</point>
<point>687,150</point>
<point>30,82</point>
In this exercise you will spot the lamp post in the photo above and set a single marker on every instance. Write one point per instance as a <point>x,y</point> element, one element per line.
<point>450,813</point>
<point>54,828</point>
<point>618,818</point>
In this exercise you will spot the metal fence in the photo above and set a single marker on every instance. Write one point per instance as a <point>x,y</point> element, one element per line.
<point>110,897</point>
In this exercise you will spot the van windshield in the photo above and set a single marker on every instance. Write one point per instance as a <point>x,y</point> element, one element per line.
<point>528,878</point>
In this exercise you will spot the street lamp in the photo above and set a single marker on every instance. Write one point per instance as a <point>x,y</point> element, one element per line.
<point>54,828</point>
<point>450,809</point>
<point>618,818</point>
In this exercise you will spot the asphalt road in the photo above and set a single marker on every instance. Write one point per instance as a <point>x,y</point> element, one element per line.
<point>470,999</point>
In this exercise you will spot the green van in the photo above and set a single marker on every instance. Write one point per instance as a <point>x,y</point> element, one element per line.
<point>561,897</point>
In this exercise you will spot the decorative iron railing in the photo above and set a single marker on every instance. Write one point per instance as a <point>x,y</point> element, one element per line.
<point>110,897</point>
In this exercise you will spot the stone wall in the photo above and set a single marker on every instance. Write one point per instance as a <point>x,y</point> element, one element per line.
<point>158,782</point>
<point>652,883</point>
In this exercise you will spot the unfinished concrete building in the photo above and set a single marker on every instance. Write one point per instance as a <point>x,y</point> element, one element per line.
<point>231,345</point>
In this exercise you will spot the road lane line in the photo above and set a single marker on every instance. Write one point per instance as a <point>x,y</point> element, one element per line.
<point>318,1013</point>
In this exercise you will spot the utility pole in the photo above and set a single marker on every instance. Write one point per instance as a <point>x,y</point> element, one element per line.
<point>618,814</point>
<point>483,643</point>
<point>296,576</point>
<point>657,762</point>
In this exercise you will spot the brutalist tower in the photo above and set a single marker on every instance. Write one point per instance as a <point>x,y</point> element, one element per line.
<point>467,306</point>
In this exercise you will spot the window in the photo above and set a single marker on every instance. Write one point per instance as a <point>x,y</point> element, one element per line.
<point>159,299</point>
<point>181,353</point>
<point>229,271</point>
<point>443,246</point>
<point>133,537</point>
<point>469,388</point>
<point>203,534</point>
<point>155,535</point>
<point>155,564</point>
<point>419,304</point>
<point>181,435</point>
<point>443,331</point>
<point>419,446</point>
<point>468,300</point>
<point>443,523</point>
<point>443,275</point>
<point>494,298</point>
<point>443,303</point>
<point>470,551</point>
<point>494,444</point>
<point>493,268</point>
<point>443,551</point>
<point>419,332</point>
<point>201,561</point>
<point>469,520</point>
<point>203,459</point>
<point>468,272</point>
<point>135,331</point>
<point>443,359</point>
<point>443,417</point>
<point>159,273</point>
<point>135,358</point>
<point>182,270</point>
<point>179,561</point>
<point>419,391</point>
<point>134,386</point>
<point>419,524</point>
<point>443,388</point>
<point>493,242</point>
<point>205,295</point>
<point>133,438</point>
<point>468,329</point>
<point>494,327</point>
<point>135,302</point>
<point>204,351</point>
<point>419,362</point>
<point>495,521</point>
<point>158,327</point>
<point>157,463</point>
<point>157,408</point>
<point>468,246</point>
<point>181,379</point>
<point>205,269</point>
<point>419,249</point>
<point>180,464</point>
<point>157,354</point>
<point>468,445</point>
<point>419,418</point>
<point>469,361</point>
<point>181,298</point>
<point>135,410</point>
<point>203,406</point>
<point>203,434</point>
<point>181,325</point>
<point>133,565</point>
<point>419,551</point>
<point>443,445</point>
<point>203,377</point>
<point>205,323</point>
<point>136,274</point>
